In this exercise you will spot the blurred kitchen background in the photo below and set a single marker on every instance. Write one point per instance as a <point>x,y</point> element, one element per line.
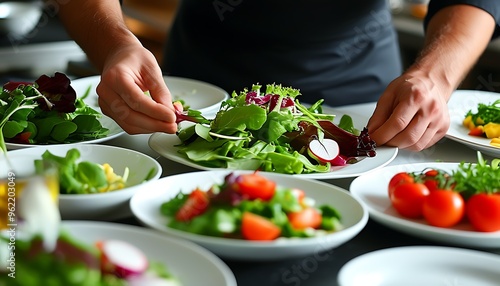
<point>41,45</point>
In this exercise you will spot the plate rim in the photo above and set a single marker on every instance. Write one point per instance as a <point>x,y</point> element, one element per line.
<point>439,252</point>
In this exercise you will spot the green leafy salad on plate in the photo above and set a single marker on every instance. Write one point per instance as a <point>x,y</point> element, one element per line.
<point>46,111</point>
<point>271,131</point>
<point>251,207</point>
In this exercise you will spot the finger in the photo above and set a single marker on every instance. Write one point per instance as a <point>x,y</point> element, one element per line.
<point>135,98</point>
<point>130,120</point>
<point>158,89</point>
<point>415,135</point>
<point>398,121</point>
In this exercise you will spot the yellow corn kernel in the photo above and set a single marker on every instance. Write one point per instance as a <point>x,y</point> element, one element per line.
<point>495,142</point>
<point>492,130</point>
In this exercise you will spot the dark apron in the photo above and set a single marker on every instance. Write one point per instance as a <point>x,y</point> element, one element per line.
<point>345,52</point>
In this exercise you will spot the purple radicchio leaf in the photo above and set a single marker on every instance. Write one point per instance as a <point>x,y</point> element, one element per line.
<point>58,91</point>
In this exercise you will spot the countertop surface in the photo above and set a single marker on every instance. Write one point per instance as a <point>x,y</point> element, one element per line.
<point>322,268</point>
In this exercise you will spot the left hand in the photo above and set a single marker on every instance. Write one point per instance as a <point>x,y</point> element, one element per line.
<point>412,113</point>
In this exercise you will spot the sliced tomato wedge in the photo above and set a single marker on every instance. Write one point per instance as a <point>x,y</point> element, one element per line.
<point>308,217</point>
<point>196,204</point>
<point>256,227</point>
<point>254,186</point>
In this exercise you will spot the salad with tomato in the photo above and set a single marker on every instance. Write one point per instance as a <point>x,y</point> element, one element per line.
<point>485,122</point>
<point>470,193</point>
<point>249,206</point>
<point>271,131</point>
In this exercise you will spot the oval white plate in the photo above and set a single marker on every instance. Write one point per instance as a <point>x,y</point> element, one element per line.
<point>165,145</point>
<point>103,206</point>
<point>461,101</point>
<point>421,265</point>
<point>190,264</point>
<point>371,189</point>
<point>145,205</point>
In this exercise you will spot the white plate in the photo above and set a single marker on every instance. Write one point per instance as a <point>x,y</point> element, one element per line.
<point>145,205</point>
<point>104,206</point>
<point>80,86</point>
<point>371,189</point>
<point>164,144</point>
<point>422,265</point>
<point>190,264</point>
<point>459,104</point>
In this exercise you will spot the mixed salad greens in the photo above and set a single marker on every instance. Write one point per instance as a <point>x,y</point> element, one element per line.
<point>82,177</point>
<point>252,207</point>
<point>46,111</point>
<point>271,131</point>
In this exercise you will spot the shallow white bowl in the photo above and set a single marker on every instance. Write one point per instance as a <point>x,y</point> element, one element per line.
<point>104,206</point>
<point>145,205</point>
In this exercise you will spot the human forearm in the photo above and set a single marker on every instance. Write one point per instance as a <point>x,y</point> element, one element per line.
<point>455,38</point>
<point>97,26</point>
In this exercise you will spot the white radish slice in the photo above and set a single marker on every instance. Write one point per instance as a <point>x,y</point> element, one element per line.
<point>323,151</point>
<point>122,259</point>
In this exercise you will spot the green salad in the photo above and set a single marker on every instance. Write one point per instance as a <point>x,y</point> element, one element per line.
<point>252,207</point>
<point>46,111</point>
<point>271,131</point>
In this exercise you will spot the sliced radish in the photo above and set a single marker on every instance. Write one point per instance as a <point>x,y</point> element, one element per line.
<point>122,259</point>
<point>323,151</point>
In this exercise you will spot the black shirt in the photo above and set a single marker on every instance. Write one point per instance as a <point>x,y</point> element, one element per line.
<point>345,52</point>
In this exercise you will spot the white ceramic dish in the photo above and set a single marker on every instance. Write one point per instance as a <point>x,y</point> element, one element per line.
<point>371,189</point>
<point>104,206</point>
<point>459,104</point>
<point>165,145</point>
<point>145,205</point>
<point>421,265</point>
<point>190,264</point>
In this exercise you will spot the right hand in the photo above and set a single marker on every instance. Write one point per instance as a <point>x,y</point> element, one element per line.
<point>126,76</point>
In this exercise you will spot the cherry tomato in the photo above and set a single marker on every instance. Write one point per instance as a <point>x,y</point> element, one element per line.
<point>308,217</point>
<point>196,204</point>
<point>398,179</point>
<point>254,186</point>
<point>443,208</point>
<point>408,199</point>
<point>483,211</point>
<point>256,227</point>
<point>430,180</point>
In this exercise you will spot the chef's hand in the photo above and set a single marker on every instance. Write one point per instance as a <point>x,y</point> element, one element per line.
<point>126,76</point>
<point>412,113</point>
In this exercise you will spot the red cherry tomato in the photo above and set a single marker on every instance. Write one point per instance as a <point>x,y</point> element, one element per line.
<point>398,179</point>
<point>408,199</point>
<point>308,217</point>
<point>254,186</point>
<point>196,204</point>
<point>443,208</point>
<point>483,212</point>
<point>256,227</point>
